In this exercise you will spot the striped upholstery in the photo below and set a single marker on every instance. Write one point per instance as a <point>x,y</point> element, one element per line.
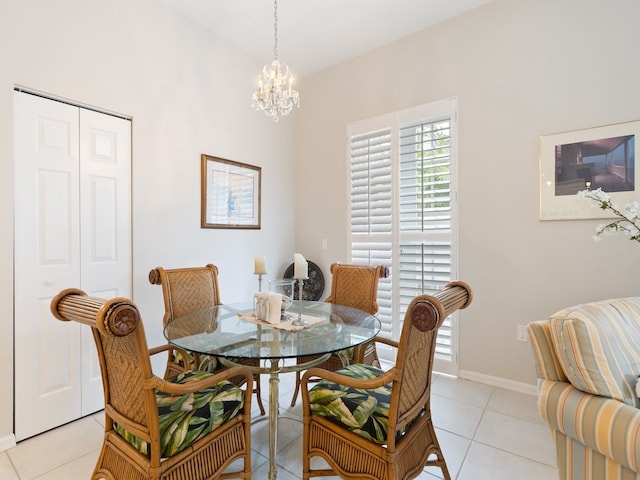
<point>598,346</point>
<point>595,437</point>
<point>579,462</point>
<point>547,363</point>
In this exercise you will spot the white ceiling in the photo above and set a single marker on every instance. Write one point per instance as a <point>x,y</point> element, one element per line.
<point>315,34</point>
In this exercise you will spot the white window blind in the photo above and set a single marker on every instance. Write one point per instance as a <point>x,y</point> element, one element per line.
<point>371,210</point>
<point>425,216</point>
<point>402,212</point>
<point>370,180</point>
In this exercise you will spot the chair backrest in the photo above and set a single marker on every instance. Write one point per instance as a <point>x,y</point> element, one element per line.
<point>187,290</point>
<point>416,349</point>
<point>127,378</point>
<point>356,285</point>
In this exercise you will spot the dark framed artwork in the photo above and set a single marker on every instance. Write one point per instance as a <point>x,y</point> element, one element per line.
<point>230,194</point>
<point>601,157</point>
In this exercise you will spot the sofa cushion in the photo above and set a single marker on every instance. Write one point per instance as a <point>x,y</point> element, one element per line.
<point>598,346</point>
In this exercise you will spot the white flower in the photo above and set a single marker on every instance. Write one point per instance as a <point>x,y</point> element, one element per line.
<point>633,209</point>
<point>627,219</point>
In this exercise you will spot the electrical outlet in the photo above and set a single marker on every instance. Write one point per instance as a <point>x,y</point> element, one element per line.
<point>522,334</point>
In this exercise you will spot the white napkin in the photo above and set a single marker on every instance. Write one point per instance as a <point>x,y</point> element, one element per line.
<point>267,306</point>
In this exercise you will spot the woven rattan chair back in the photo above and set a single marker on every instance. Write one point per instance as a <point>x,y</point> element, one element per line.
<point>416,350</point>
<point>128,370</point>
<point>186,290</point>
<point>130,400</point>
<point>122,351</point>
<point>354,286</point>
<point>192,291</point>
<point>411,440</point>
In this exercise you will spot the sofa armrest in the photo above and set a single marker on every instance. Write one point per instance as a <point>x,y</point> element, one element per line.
<point>602,424</point>
<point>547,365</point>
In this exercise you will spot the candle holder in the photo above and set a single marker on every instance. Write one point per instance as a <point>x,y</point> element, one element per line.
<point>299,322</point>
<point>285,287</point>
<point>259,279</point>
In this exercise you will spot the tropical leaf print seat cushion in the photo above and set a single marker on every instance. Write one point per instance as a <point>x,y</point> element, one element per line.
<point>364,412</point>
<point>203,363</point>
<point>206,363</point>
<point>187,418</point>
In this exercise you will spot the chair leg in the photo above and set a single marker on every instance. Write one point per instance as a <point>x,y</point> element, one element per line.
<point>258,393</point>
<point>296,390</point>
<point>439,461</point>
<point>442,464</point>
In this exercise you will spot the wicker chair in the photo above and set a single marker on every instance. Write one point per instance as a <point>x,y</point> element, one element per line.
<point>355,286</point>
<point>140,408</point>
<point>366,423</point>
<point>189,290</point>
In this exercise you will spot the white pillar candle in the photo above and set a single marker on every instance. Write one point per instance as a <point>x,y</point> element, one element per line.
<point>275,304</point>
<point>300,267</point>
<point>260,264</point>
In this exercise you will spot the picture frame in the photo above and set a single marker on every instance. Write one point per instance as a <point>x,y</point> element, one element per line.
<point>230,194</point>
<point>600,157</point>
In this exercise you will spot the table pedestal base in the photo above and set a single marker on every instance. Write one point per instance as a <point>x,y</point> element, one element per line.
<point>274,406</point>
<point>274,370</point>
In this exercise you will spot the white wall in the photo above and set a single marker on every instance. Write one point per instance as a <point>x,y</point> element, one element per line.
<point>520,69</point>
<point>188,93</point>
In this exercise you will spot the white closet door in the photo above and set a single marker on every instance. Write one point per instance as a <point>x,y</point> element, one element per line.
<point>105,227</point>
<point>72,229</point>
<point>47,259</point>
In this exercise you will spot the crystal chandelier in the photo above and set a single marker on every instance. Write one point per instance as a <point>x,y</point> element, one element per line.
<point>274,96</point>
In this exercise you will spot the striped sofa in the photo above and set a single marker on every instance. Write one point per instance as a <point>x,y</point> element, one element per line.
<point>587,361</point>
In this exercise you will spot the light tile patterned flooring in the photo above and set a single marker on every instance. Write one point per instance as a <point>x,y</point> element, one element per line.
<point>486,433</point>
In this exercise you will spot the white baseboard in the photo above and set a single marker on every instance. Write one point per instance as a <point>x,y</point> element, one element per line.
<point>520,387</point>
<point>7,442</point>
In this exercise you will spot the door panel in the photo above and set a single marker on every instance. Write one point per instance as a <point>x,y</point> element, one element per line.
<point>47,259</point>
<point>105,179</point>
<point>55,374</point>
<point>54,223</point>
<point>72,229</point>
<point>105,212</point>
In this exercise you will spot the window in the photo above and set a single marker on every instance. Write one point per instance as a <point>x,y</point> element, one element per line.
<point>402,210</point>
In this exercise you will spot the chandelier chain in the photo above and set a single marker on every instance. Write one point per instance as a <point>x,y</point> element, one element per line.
<point>275,29</point>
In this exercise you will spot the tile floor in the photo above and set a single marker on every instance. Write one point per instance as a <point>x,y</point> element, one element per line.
<point>485,432</point>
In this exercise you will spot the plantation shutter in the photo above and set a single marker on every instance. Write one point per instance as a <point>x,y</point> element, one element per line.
<point>425,216</point>
<point>402,211</point>
<point>371,210</point>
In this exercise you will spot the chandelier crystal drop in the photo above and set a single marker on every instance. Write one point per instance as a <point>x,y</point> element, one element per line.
<point>275,95</point>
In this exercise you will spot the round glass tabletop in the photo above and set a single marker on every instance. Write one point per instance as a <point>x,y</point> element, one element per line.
<point>231,331</point>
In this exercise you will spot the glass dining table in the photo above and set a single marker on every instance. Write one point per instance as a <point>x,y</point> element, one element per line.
<point>231,333</point>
